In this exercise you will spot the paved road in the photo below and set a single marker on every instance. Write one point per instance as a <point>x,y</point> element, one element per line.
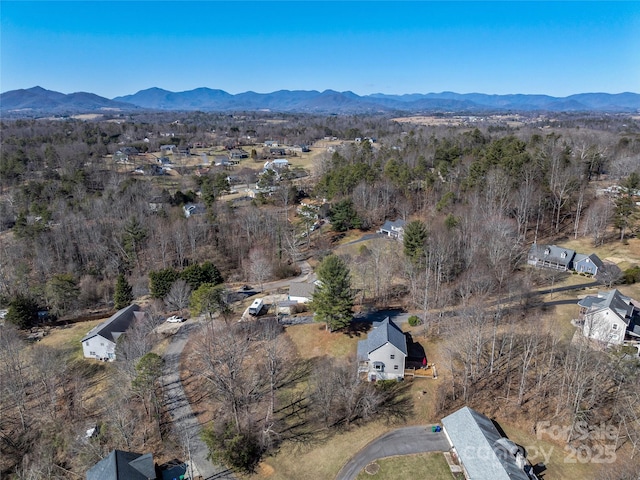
<point>402,441</point>
<point>185,423</point>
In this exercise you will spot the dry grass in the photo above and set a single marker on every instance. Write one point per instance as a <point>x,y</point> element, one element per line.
<point>554,456</point>
<point>321,460</point>
<point>69,337</point>
<point>313,340</point>
<point>407,466</point>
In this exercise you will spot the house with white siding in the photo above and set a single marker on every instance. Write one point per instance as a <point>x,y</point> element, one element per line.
<point>100,342</point>
<point>609,317</point>
<point>382,354</point>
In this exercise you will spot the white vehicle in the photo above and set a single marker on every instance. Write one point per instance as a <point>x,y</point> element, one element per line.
<point>256,306</point>
<point>175,319</point>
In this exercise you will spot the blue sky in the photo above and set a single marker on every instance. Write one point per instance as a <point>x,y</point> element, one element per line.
<point>116,48</point>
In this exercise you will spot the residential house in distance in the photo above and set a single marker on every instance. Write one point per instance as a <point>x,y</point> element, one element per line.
<point>301,292</point>
<point>483,453</point>
<point>121,465</point>
<point>194,209</point>
<point>393,229</point>
<point>100,342</point>
<point>563,259</point>
<point>551,256</point>
<point>609,317</point>
<point>382,354</point>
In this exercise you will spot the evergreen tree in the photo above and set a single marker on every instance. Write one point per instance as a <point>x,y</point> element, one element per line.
<point>23,312</point>
<point>123,294</point>
<point>415,238</point>
<point>333,299</point>
<point>344,216</point>
<point>160,281</point>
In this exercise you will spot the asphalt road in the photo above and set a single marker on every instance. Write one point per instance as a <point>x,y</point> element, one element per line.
<point>186,425</point>
<point>402,441</point>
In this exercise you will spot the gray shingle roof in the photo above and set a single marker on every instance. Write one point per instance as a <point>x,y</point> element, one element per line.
<point>551,253</point>
<point>480,448</point>
<point>115,325</point>
<point>593,257</point>
<point>612,299</point>
<point>120,465</point>
<point>389,225</point>
<point>301,289</point>
<point>385,331</point>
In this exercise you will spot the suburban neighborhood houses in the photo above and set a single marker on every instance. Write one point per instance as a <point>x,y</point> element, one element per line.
<point>283,283</point>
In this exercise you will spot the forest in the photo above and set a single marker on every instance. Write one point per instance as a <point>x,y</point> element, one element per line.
<point>74,223</point>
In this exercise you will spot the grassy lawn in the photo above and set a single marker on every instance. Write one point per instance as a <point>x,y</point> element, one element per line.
<point>313,340</point>
<point>68,337</point>
<point>423,465</point>
<point>321,459</point>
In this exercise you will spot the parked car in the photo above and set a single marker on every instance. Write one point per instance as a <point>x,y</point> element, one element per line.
<point>176,319</point>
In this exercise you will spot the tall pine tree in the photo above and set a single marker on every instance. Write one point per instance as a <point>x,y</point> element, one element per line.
<point>333,298</point>
<point>123,294</point>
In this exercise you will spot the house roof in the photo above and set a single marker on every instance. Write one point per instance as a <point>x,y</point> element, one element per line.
<point>115,325</point>
<point>301,289</point>
<point>552,253</point>
<point>121,465</point>
<point>593,258</point>
<point>481,448</point>
<point>385,332</point>
<point>389,225</point>
<point>613,300</point>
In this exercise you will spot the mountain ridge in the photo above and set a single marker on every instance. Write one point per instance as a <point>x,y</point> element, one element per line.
<point>40,100</point>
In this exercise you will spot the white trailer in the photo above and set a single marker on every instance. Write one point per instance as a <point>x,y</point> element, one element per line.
<point>256,307</point>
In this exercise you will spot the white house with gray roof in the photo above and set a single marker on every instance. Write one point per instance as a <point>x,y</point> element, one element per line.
<point>609,316</point>
<point>382,354</point>
<point>100,342</point>
<point>393,229</point>
<point>301,292</point>
<point>483,453</point>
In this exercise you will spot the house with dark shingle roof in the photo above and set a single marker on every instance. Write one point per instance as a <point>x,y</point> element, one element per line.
<point>393,229</point>
<point>587,263</point>
<point>100,342</point>
<point>483,453</point>
<point>551,256</point>
<point>121,465</point>
<point>609,316</point>
<point>382,354</point>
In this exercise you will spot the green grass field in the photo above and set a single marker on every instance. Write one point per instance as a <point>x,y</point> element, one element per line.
<point>425,465</point>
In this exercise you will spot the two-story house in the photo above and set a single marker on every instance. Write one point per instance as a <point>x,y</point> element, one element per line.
<point>609,316</point>
<point>382,354</point>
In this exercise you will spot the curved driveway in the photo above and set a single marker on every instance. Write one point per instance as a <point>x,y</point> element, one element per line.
<point>402,441</point>
<point>186,425</point>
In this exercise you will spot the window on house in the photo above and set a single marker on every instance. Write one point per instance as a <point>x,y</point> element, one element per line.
<point>378,366</point>
<point>102,344</point>
<point>86,344</point>
<point>393,356</point>
<point>395,367</point>
<point>614,326</point>
<point>92,353</point>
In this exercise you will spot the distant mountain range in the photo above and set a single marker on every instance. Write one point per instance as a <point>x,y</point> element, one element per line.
<point>38,100</point>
